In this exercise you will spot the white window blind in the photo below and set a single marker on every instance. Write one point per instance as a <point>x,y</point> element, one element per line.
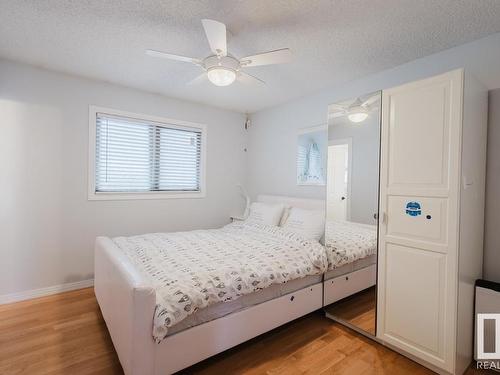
<point>134,155</point>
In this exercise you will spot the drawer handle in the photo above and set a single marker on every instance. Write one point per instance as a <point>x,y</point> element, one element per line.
<point>292,298</point>
<point>347,277</point>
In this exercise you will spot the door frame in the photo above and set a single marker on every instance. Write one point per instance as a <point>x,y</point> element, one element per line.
<point>348,142</point>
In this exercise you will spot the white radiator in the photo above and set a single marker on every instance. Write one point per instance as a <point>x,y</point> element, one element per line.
<point>487,337</point>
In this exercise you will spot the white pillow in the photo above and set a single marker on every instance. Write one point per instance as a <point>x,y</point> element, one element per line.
<point>309,224</point>
<point>269,214</point>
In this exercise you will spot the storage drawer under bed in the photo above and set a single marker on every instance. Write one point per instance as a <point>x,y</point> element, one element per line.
<point>346,285</point>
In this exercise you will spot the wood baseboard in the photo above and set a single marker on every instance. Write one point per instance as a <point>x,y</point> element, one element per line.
<point>35,293</point>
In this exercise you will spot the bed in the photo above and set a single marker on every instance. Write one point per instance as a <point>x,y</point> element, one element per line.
<point>352,259</point>
<point>153,335</point>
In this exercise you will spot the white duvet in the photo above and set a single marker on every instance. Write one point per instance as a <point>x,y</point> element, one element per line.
<point>191,270</point>
<point>346,242</point>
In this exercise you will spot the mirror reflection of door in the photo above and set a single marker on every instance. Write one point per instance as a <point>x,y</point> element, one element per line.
<point>338,180</point>
<point>352,211</point>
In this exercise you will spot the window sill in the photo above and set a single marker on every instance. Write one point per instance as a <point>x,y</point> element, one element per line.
<point>112,196</point>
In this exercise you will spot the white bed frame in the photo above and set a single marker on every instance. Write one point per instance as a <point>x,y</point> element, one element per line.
<point>127,303</point>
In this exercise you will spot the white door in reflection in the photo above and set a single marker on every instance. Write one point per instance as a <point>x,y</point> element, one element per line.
<point>338,180</point>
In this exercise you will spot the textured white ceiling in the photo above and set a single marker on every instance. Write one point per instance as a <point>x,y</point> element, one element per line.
<point>333,41</point>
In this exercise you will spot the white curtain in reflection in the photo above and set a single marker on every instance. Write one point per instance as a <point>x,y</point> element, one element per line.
<point>310,164</point>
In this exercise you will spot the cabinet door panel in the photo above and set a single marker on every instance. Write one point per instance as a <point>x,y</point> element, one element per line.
<point>419,136</point>
<point>405,297</point>
<point>418,218</point>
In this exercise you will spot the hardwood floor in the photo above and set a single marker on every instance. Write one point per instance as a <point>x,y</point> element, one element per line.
<point>60,334</point>
<point>358,309</point>
<point>65,334</point>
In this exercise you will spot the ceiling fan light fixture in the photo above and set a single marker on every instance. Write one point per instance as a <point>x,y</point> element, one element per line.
<point>221,76</point>
<point>357,114</point>
<point>222,68</point>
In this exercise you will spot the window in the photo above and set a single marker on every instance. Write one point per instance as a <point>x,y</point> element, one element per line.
<point>134,156</point>
<point>311,150</point>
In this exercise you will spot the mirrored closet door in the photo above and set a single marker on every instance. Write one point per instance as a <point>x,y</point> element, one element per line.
<point>352,211</point>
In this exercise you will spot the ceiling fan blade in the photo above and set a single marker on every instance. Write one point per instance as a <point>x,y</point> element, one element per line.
<point>169,56</point>
<point>337,114</point>
<point>216,35</point>
<point>248,78</point>
<point>200,79</point>
<point>278,56</point>
<point>336,107</point>
<point>370,100</point>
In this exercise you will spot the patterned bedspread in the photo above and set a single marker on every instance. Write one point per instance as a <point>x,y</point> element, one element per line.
<point>346,242</point>
<point>191,270</point>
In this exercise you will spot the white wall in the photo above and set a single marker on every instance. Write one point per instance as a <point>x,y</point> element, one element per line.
<point>272,136</point>
<point>492,214</point>
<point>47,225</point>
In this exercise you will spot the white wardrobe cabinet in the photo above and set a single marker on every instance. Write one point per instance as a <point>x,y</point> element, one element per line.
<point>432,173</point>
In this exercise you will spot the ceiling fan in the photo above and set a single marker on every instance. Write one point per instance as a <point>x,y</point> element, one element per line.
<point>221,68</point>
<point>356,110</point>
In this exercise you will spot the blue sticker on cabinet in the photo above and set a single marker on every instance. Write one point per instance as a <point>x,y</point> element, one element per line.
<point>413,209</point>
